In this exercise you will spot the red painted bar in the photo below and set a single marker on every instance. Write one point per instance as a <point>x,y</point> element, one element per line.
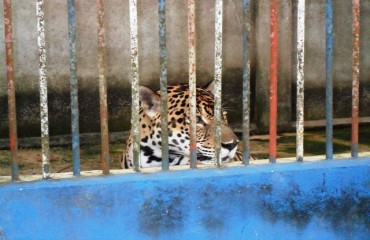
<point>355,74</point>
<point>13,139</point>
<point>103,90</point>
<point>192,83</point>
<point>274,4</point>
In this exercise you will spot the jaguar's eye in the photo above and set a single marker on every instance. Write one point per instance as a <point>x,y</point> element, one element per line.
<point>200,120</point>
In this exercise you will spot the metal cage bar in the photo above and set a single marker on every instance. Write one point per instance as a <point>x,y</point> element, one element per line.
<point>74,87</point>
<point>355,74</point>
<point>13,136</point>
<point>246,81</point>
<point>43,89</point>
<point>218,79</point>
<point>163,82</point>
<point>274,6</point>
<point>329,79</point>
<point>192,83</point>
<point>104,131</point>
<point>300,78</point>
<point>135,85</point>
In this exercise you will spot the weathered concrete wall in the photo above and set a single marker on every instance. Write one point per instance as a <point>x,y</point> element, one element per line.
<point>118,59</point>
<point>311,200</point>
<point>342,58</point>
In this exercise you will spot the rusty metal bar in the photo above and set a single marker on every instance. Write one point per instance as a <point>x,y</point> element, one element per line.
<point>135,85</point>
<point>43,89</point>
<point>246,81</point>
<point>329,79</point>
<point>163,82</point>
<point>74,87</point>
<point>218,79</point>
<point>355,74</point>
<point>300,78</point>
<point>192,83</point>
<point>13,137</point>
<point>274,6</point>
<point>104,131</point>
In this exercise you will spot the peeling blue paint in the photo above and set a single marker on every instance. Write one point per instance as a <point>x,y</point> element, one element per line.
<point>309,200</point>
<point>329,78</point>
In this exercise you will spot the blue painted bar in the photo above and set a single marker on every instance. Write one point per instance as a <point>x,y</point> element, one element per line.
<point>307,200</point>
<point>163,82</point>
<point>329,79</point>
<point>246,81</point>
<point>74,87</point>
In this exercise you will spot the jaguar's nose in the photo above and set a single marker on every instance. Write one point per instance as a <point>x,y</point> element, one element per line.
<point>230,146</point>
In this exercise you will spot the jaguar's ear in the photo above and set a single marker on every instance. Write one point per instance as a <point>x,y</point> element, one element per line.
<point>210,87</point>
<point>150,101</point>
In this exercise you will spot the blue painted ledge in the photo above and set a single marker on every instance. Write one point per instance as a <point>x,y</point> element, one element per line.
<point>310,200</point>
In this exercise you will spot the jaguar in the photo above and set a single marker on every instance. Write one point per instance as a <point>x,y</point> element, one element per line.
<point>178,128</point>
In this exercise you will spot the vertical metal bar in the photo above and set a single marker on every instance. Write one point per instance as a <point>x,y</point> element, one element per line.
<point>300,78</point>
<point>274,6</point>
<point>43,89</point>
<point>74,87</point>
<point>192,83</point>
<point>355,74</point>
<point>246,81</point>
<point>135,84</point>
<point>163,82</point>
<point>13,138</point>
<point>329,79</point>
<point>218,79</point>
<point>104,132</point>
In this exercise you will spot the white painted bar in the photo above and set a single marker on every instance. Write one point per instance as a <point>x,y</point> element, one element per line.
<point>300,78</point>
<point>218,79</point>
<point>43,88</point>
<point>135,85</point>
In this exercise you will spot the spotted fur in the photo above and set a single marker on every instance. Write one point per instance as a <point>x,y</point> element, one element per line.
<point>178,126</point>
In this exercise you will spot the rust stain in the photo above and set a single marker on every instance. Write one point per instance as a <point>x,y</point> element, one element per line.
<point>192,82</point>
<point>11,89</point>
<point>355,74</point>
<point>105,159</point>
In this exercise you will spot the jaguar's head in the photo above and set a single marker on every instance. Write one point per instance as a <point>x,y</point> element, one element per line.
<point>178,127</point>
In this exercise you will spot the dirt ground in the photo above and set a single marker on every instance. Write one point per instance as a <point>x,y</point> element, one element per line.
<point>61,158</point>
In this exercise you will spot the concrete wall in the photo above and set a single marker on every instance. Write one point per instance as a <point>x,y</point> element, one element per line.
<point>118,72</point>
<point>317,200</point>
